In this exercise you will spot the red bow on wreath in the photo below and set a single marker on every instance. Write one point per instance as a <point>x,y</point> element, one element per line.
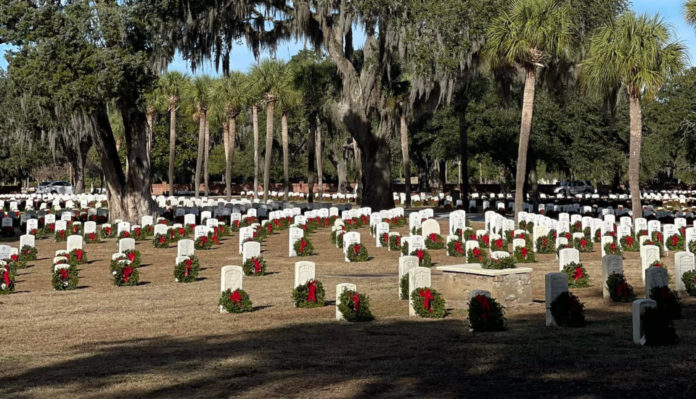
<point>356,302</point>
<point>427,297</point>
<point>621,289</point>
<point>675,239</point>
<point>312,291</point>
<point>523,251</point>
<point>629,241</point>
<point>485,305</point>
<point>14,257</point>
<point>477,254</point>
<point>583,243</point>
<point>356,249</point>
<point>236,297</point>
<point>64,274</point>
<point>458,247</point>
<point>578,274</point>
<point>127,271</point>
<point>303,245</point>
<point>131,256</point>
<point>257,265</point>
<point>420,254</point>
<point>78,254</point>
<point>612,247</point>
<point>6,278</point>
<point>161,239</point>
<point>433,237</point>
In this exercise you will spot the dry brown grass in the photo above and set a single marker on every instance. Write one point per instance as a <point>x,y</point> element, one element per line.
<point>164,339</point>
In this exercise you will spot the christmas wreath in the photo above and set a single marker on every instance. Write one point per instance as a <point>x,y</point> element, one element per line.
<point>309,295</point>
<point>124,234</point>
<point>576,227</point>
<point>125,274</point>
<point>544,245</point>
<point>303,247</point>
<point>675,242</point>
<point>455,248</point>
<point>7,280</point>
<point>475,255</point>
<point>339,239</point>
<point>64,279</point>
<point>423,256</point>
<point>486,314</point>
<point>667,302</point>
<point>656,236</point>
<point>254,266</point>
<point>428,303</point>
<point>355,306</point>
<point>332,236</point>
<point>658,328</point>
<point>384,240</point>
<point>357,253</point>
<point>60,236</point>
<point>629,244</point>
<point>689,279</point>
<point>203,243</point>
<point>395,243</point>
<point>434,241</point>
<point>524,255</point>
<point>484,241</point>
<point>28,253</point>
<point>530,226</point>
<point>583,244</point>
<point>92,238</point>
<point>498,245</point>
<point>522,225</point>
<point>587,232</point>
<point>611,248</point>
<point>403,286</point>
<point>16,262</point>
<point>507,262</point>
<point>186,271</point>
<point>77,256</point>
<point>552,235</point>
<point>133,255</point>
<point>236,301</point>
<point>160,241</point>
<point>577,275</point>
<point>106,232</point>
<point>619,289</point>
<point>138,234</point>
<point>641,233</point>
<point>568,311</point>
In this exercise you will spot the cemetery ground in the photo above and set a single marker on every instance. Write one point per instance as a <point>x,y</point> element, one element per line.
<point>167,339</point>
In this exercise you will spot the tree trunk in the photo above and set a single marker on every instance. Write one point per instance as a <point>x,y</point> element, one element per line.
<point>377,172</point>
<point>201,146</point>
<point>320,172</point>
<point>311,153</point>
<point>206,156</point>
<point>286,154</point>
<point>634,156</point>
<point>80,162</point>
<point>172,144</point>
<point>525,129</point>
<point>255,121</point>
<point>442,169</point>
<point>463,154</point>
<point>150,114</point>
<point>270,108</point>
<point>342,171</point>
<point>231,134</point>
<point>405,160</point>
<point>358,170</point>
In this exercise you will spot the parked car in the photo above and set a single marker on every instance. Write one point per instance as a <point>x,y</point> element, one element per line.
<point>574,187</point>
<point>55,187</point>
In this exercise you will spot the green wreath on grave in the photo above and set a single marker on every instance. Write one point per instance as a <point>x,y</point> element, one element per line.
<point>77,256</point>
<point>357,253</point>
<point>236,301</point>
<point>568,311</point>
<point>64,279</point>
<point>187,270</point>
<point>61,236</point>
<point>384,240</point>
<point>530,227</point>
<point>498,245</point>
<point>304,247</point>
<point>309,295</point>
<point>395,243</point>
<point>475,255</point>
<point>507,262</point>
<point>588,233</point>
<point>576,227</point>
<point>403,286</point>
<point>619,289</point>
<point>423,256</point>
<point>27,253</point>
<point>333,236</point>
<point>254,266</point>
<point>160,241</point>
<point>611,248</point>
<point>107,232</point>
<point>629,244</point>
<point>7,279</point>
<point>434,241</point>
<point>675,242</point>
<point>203,243</point>
<point>668,302</point>
<point>455,248</point>
<point>544,245</point>
<point>92,238</point>
<point>16,262</point>
<point>484,241</point>
<point>583,244</point>
<point>658,328</point>
<point>124,234</point>
<point>133,255</point>
<point>355,306</point>
<point>125,275</point>
<point>577,275</point>
<point>428,303</point>
<point>689,279</point>
<point>524,255</point>
<point>486,314</point>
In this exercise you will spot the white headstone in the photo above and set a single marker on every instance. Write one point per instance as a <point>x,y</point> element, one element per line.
<point>74,242</point>
<point>294,235</point>
<point>304,272</point>
<point>648,255</point>
<point>185,247</point>
<point>126,244</point>
<point>231,278</point>
<point>340,289</point>
<point>350,238</point>
<point>556,284</point>
<point>28,240</point>
<point>683,262</point>
<point>610,264</point>
<point>430,226</point>
<point>655,277</point>
<point>250,249</point>
<point>418,277</point>
<point>567,256</point>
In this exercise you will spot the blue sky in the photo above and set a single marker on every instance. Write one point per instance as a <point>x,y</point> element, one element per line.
<point>242,59</point>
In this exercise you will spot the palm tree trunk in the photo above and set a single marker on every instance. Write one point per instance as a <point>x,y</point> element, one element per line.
<point>525,129</point>
<point>172,144</point>
<point>270,108</point>
<point>286,153</point>
<point>320,172</point>
<point>199,159</point>
<point>405,161</point>
<point>634,156</point>
<point>150,117</point>
<point>206,156</point>
<point>311,153</point>
<point>255,121</point>
<point>231,133</point>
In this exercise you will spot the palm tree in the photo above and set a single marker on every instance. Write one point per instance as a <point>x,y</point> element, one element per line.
<point>172,85</point>
<point>529,35</point>
<point>289,99</point>
<point>690,11</point>
<point>637,53</point>
<point>201,93</point>
<point>231,93</point>
<point>269,76</point>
